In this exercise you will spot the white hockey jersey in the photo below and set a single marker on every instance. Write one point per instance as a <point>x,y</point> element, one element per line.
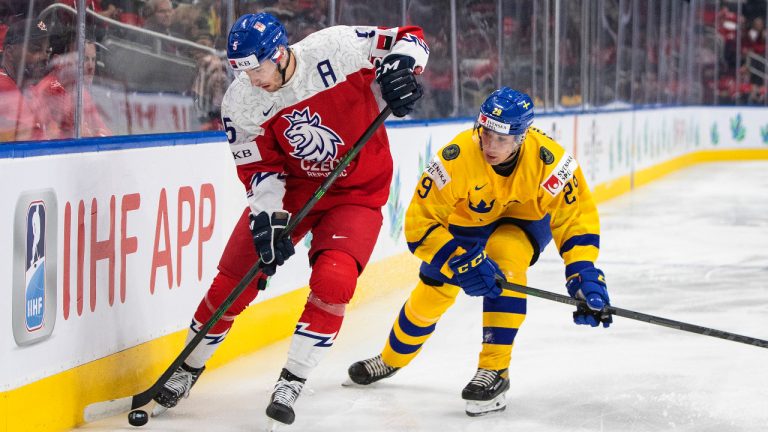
<point>293,138</point>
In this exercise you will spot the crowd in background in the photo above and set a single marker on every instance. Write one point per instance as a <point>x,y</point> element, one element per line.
<point>616,51</point>
<point>743,75</point>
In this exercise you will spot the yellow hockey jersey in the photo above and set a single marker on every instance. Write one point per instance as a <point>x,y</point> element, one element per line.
<point>460,200</point>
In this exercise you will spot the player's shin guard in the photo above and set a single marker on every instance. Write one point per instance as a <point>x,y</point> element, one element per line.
<point>220,288</point>
<point>185,376</point>
<point>314,335</point>
<point>416,322</point>
<point>315,332</point>
<point>502,318</point>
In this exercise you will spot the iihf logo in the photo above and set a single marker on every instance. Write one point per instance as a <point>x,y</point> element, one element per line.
<point>34,266</point>
<point>309,138</point>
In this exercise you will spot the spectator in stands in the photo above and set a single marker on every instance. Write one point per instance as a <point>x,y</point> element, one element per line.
<point>111,9</point>
<point>210,84</point>
<point>106,8</point>
<point>129,11</point>
<point>25,57</point>
<point>744,92</point>
<point>56,93</point>
<point>729,23</point>
<point>6,17</point>
<point>158,17</point>
<point>213,20</point>
<point>185,21</point>
<point>313,16</point>
<point>754,38</point>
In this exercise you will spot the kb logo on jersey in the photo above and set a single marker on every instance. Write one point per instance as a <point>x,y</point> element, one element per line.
<point>311,140</point>
<point>34,265</point>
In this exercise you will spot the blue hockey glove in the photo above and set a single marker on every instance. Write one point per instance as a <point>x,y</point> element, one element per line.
<point>589,285</point>
<point>266,232</point>
<point>399,87</point>
<point>476,273</point>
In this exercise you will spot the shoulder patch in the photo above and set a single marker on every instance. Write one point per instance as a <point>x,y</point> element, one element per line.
<point>437,172</point>
<point>546,155</point>
<point>383,41</point>
<point>451,152</point>
<point>563,171</point>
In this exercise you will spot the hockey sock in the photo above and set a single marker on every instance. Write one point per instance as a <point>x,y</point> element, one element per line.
<point>221,287</point>
<point>315,332</point>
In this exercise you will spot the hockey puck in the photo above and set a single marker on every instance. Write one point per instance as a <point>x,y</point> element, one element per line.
<point>138,418</point>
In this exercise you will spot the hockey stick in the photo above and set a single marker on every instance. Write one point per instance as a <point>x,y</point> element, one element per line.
<point>650,319</point>
<point>99,410</point>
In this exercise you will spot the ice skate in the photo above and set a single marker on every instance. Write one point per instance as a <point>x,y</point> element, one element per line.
<point>485,392</point>
<point>369,371</point>
<point>284,395</point>
<point>177,387</point>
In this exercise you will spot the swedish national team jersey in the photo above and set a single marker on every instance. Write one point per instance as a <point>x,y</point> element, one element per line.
<point>460,200</point>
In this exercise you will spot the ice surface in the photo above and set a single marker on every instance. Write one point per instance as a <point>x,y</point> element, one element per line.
<point>692,247</point>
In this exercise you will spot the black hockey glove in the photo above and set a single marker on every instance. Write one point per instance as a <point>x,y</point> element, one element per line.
<point>266,232</point>
<point>399,87</point>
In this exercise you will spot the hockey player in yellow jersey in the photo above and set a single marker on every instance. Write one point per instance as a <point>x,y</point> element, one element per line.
<point>484,208</point>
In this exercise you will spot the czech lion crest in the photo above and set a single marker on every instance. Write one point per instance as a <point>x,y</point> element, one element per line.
<point>309,138</point>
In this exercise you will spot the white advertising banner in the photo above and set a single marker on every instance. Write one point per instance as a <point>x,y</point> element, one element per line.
<point>110,249</point>
<point>106,250</point>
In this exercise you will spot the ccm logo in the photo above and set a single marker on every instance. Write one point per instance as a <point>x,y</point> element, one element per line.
<point>474,263</point>
<point>390,66</point>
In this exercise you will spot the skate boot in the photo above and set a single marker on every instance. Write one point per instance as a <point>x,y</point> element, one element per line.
<point>371,370</point>
<point>287,390</point>
<point>485,392</point>
<point>177,387</point>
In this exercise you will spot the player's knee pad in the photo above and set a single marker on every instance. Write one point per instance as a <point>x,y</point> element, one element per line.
<point>512,250</point>
<point>221,287</point>
<point>334,277</point>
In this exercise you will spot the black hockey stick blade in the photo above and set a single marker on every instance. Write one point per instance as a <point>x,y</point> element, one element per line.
<point>99,410</point>
<point>638,316</point>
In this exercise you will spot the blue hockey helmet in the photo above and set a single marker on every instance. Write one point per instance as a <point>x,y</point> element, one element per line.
<point>253,39</point>
<point>506,111</point>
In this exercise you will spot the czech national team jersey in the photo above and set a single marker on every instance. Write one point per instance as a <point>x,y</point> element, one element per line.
<point>460,196</point>
<point>300,132</point>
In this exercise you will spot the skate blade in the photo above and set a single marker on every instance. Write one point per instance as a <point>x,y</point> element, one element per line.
<point>479,408</point>
<point>349,383</point>
<point>273,425</point>
<point>158,410</point>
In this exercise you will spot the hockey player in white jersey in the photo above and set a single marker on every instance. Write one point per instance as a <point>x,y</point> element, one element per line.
<point>290,116</point>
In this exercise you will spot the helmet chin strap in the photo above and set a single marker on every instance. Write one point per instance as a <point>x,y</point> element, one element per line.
<point>512,156</point>
<point>282,70</point>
